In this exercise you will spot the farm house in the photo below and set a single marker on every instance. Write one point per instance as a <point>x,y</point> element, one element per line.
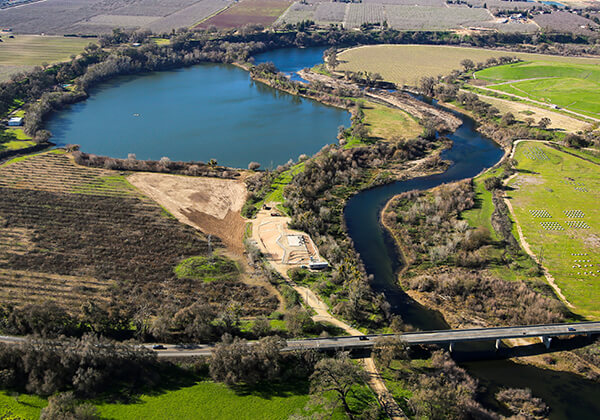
<point>15,122</point>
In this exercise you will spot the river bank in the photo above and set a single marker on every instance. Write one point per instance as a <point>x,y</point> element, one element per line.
<point>455,152</point>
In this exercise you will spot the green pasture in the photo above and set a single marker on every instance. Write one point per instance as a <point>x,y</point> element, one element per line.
<point>481,214</point>
<point>561,182</point>
<point>386,123</point>
<point>199,400</point>
<point>574,86</point>
<point>14,139</point>
<point>209,400</point>
<point>536,69</point>
<point>276,194</point>
<point>16,145</point>
<point>20,406</point>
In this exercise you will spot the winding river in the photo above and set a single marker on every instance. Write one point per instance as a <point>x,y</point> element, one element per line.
<point>569,395</point>
<point>216,111</point>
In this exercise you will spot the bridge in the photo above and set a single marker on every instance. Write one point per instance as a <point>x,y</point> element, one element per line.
<point>445,337</point>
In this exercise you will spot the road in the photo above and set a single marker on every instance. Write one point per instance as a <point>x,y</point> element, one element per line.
<point>544,104</point>
<point>427,337</point>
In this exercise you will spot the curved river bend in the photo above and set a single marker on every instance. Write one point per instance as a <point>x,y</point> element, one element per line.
<point>215,111</point>
<point>569,395</point>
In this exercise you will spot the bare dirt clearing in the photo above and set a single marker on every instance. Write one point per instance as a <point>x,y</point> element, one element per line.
<point>212,205</point>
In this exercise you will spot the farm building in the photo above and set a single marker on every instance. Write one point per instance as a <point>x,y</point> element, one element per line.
<point>15,122</point>
<point>320,265</point>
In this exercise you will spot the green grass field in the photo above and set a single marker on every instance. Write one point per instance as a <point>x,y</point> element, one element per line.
<point>203,400</point>
<point>207,269</point>
<point>407,64</point>
<point>575,86</point>
<point>556,182</point>
<point>23,52</point>
<point>208,400</point>
<point>386,123</point>
<point>197,401</point>
<point>276,195</point>
<point>14,138</point>
<point>481,214</point>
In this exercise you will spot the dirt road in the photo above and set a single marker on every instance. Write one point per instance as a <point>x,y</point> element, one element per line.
<point>266,232</point>
<point>538,103</point>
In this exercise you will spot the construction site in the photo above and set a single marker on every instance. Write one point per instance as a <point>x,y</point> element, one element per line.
<point>285,247</point>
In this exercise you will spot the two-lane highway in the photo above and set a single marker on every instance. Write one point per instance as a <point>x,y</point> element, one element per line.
<point>544,332</point>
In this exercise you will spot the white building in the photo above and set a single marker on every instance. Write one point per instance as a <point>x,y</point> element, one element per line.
<point>15,122</point>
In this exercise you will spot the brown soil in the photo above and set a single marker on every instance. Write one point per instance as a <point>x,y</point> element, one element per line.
<point>211,205</point>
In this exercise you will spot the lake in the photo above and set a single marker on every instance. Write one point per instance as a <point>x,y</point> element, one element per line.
<point>197,113</point>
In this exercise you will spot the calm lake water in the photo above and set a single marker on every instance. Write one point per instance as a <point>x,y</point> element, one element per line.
<point>215,111</point>
<point>197,113</point>
<point>291,60</point>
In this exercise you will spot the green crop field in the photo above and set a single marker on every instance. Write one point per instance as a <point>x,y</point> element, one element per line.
<point>23,52</point>
<point>407,64</point>
<point>555,198</point>
<point>575,86</point>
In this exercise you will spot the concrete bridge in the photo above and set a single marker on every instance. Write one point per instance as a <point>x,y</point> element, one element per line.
<point>446,337</point>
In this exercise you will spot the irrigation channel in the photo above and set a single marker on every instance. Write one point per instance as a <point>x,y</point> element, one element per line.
<point>569,395</point>
<point>216,111</point>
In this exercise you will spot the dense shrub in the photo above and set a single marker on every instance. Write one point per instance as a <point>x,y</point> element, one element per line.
<point>498,301</point>
<point>85,365</point>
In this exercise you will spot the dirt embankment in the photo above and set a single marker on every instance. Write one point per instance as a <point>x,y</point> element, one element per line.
<point>418,109</point>
<point>211,205</point>
<point>447,121</point>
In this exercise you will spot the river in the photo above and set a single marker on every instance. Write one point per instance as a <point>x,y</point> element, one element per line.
<point>197,113</point>
<point>569,395</point>
<point>216,111</point>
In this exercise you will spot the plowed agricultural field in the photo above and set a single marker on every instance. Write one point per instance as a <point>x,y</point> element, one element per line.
<point>261,12</point>
<point>70,234</point>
